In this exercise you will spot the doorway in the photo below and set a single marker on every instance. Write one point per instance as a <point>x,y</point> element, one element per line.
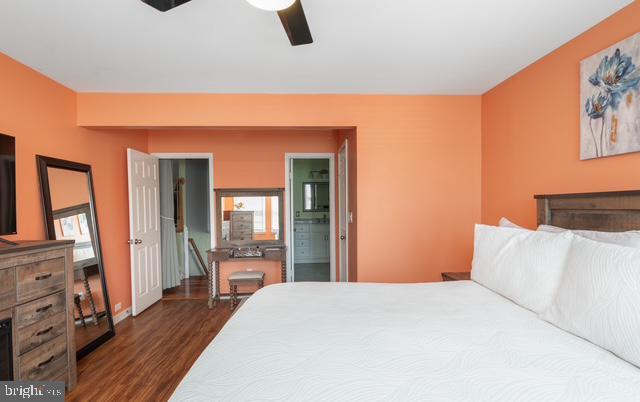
<point>192,218</point>
<point>310,216</point>
<point>155,220</point>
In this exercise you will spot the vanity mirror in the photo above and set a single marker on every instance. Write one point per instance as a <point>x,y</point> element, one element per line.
<point>250,217</point>
<point>315,197</point>
<point>70,214</point>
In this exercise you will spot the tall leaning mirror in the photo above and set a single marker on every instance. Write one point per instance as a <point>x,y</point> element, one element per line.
<point>70,214</point>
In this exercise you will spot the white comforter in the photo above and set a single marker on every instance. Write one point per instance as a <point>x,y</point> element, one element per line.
<point>429,342</point>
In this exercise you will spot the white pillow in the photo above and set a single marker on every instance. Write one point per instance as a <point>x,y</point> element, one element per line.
<point>506,223</point>
<point>522,265</point>
<point>599,297</point>
<point>627,239</point>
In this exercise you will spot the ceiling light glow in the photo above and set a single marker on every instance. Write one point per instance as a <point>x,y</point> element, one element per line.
<point>271,5</point>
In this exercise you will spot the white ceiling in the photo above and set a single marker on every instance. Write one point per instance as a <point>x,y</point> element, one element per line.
<point>227,46</point>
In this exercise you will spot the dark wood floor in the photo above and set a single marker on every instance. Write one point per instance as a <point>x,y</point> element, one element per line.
<point>89,332</point>
<point>193,288</point>
<point>150,353</point>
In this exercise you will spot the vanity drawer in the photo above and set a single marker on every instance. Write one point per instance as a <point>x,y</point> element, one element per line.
<point>319,228</point>
<point>302,243</point>
<point>43,331</point>
<point>273,254</point>
<point>302,235</point>
<point>46,362</point>
<point>303,252</point>
<point>41,309</point>
<point>7,287</point>
<point>302,228</point>
<point>39,278</point>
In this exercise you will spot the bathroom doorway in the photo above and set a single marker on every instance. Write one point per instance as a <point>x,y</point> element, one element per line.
<point>311,192</point>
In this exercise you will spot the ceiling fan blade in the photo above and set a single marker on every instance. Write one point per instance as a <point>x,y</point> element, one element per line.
<point>295,24</point>
<point>165,5</point>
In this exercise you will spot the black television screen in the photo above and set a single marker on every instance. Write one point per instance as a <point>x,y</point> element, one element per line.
<point>7,185</point>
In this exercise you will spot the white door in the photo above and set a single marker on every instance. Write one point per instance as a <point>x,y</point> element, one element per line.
<point>144,229</point>
<point>343,208</point>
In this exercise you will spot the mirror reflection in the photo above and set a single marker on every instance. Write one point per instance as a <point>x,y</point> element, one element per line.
<point>250,218</point>
<point>74,219</point>
<point>315,197</point>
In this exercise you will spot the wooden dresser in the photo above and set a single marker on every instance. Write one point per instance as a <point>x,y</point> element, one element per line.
<point>36,294</point>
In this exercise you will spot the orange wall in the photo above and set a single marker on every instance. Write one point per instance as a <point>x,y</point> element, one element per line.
<point>452,160</point>
<point>245,159</point>
<point>530,131</point>
<point>68,188</point>
<point>423,149</point>
<point>41,114</point>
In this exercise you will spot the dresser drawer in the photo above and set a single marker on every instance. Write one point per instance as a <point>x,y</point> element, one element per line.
<point>301,228</point>
<point>46,362</point>
<point>302,235</point>
<point>242,217</point>
<point>237,226</point>
<point>242,233</point>
<point>39,278</point>
<point>302,243</point>
<point>7,287</point>
<point>41,309</point>
<point>41,332</point>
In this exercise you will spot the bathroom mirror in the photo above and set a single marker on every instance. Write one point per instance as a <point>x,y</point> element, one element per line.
<point>250,217</point>
<point>315,197</point>
<point>70,214</point>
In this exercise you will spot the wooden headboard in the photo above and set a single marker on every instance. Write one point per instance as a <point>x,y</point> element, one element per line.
<point>616,211</point>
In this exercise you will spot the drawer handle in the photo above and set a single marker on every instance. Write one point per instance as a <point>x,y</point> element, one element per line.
<point>45,308</point>
<point>44,363</point>
<point>43,276</point>
<point>44,331</point>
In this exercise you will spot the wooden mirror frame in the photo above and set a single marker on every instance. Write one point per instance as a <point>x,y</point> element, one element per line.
<point>45,162</point>
<point>268,192</point>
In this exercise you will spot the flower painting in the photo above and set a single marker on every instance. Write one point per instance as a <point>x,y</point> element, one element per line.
<point>610,101</point>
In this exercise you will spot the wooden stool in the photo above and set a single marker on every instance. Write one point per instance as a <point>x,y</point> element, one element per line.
<point>241,278</point>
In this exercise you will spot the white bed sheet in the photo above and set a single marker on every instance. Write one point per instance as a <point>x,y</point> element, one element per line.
<point>451,341</point>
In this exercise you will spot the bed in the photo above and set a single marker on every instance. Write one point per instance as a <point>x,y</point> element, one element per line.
<point>439,341</point>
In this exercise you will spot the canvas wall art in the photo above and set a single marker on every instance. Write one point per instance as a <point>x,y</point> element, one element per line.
<point>610,101</point>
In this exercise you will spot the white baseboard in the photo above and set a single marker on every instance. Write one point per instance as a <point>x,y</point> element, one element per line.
<point>119,317</point>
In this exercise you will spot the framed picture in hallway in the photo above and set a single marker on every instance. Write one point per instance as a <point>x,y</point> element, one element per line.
<point>610,101</point>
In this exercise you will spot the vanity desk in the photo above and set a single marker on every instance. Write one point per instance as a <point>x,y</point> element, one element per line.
<point>250,224</point>
<point>241,254</point>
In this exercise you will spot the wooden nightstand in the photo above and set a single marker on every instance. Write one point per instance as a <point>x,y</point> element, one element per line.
<point>456,276</point>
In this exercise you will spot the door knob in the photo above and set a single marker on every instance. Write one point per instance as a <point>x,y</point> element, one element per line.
<point>343,237</point>
<point>138,241</point>
<point>134,241</point>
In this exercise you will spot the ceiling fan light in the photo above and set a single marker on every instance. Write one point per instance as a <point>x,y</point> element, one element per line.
<point>271,5</point>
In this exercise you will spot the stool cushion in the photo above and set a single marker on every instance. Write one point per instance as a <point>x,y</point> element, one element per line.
<point>246,276</point>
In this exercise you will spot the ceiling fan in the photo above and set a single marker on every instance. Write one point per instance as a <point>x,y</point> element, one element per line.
<point>290,12</point>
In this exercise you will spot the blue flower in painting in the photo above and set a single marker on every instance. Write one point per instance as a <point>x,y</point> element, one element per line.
<point>597,105</point>
<point>616,75</point>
